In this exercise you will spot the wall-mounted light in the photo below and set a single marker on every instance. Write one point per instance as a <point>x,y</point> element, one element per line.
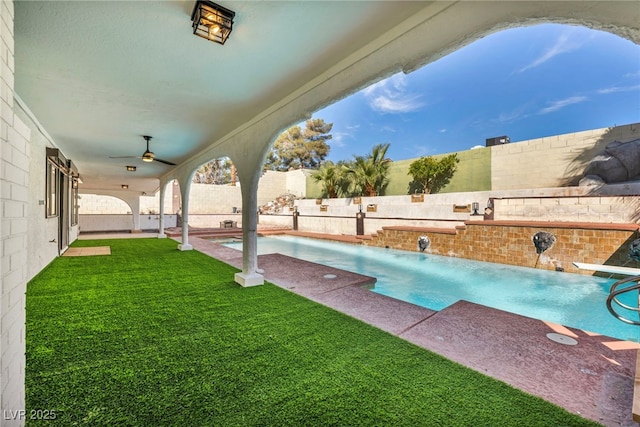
<point>131,168</point>
<point>475,206</point>
<point>212,21</point>
<point>124,186</point>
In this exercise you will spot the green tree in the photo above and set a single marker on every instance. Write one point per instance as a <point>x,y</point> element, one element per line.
<point>430,175</point>
<point>217,171</point>
<point>333,179</point>
<point>300,148</point>
<point>369,175</point>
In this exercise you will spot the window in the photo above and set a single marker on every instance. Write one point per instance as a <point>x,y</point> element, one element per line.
<point>51,200</point>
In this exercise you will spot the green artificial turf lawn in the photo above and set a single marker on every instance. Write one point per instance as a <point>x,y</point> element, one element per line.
<point>152,336</point>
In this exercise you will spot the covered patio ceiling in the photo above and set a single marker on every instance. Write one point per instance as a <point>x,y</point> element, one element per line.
<point>98,75</point>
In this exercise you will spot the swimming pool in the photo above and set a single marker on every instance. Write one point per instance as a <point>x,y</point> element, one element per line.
<point>435,282</point>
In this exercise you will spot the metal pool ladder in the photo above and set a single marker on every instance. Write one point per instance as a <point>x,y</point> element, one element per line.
<point>616,290</point>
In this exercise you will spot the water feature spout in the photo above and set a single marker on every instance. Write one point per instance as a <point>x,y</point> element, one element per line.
<point>423,243</point>
<point>634,250</point>
<point>542,240</point>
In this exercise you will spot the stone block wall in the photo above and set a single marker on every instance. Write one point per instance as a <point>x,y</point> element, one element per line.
<point>510,242</point>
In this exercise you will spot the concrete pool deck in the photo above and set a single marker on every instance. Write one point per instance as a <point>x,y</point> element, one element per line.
<point>594,378</point>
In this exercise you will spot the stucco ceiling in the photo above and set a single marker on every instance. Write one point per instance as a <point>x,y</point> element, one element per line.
<point>99,75</point>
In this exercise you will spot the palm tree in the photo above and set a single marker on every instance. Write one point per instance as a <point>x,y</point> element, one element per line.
<point>368,175</point>
<point>332,178</point>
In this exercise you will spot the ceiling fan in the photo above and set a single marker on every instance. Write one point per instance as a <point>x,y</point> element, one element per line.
<point>147,156</point>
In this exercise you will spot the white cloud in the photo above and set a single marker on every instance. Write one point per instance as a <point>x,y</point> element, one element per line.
<point>443,130</point>
<point>420,151</point>
<point>338,138</point>
<point>557,105</point>
<point>562,45</point>
<point>615,89</point>
<point>390,96</point>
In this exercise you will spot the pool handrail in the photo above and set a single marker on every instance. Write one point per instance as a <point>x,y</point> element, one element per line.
<point>614,292</point>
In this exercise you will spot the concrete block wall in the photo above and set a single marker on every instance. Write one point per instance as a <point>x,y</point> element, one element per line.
<point>296,182</point>
<point>100,204</point>
<point>106,222</point>
<point>212,220</point>
<point>14,195</point>
<point>271,185</point>
<point>573,204</point>
<point>152,222</point>
<point>122,222</point>
<point>600,209</point>
<point>221,199</point>
<point>93,204</point>
<point>511,243</point>
<point>553,161</point>
<point>325,225</point>
<point>214,199</point>
<point>569,204</point>
<point>151,204</point>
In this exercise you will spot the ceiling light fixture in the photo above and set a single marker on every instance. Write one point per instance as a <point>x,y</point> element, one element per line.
<point>131,168</point>
<point>148,155</point>
<point>124,186</point>
<point>211,21</point>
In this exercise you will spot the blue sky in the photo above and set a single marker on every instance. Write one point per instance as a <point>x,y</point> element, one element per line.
<point>526,83</point>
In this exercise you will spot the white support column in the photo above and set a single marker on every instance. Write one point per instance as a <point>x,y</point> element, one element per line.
<point>163,191</point>
<point>185,187</point>
<point>135,210</point>
<point>250,275</point>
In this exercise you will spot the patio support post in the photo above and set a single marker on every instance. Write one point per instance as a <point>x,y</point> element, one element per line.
<point>163,192</point>
<point>134,203</point>
<point>250,275</point>
<point>185,187</point>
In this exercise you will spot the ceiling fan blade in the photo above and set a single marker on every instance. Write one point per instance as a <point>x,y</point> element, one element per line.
<point>164,161</point>
<point>147,156</point>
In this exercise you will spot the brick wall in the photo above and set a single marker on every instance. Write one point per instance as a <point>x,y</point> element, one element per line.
<point>510,242</point>
<point>14,193</point>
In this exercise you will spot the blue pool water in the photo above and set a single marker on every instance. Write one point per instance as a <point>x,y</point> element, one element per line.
<point>435,282</point>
